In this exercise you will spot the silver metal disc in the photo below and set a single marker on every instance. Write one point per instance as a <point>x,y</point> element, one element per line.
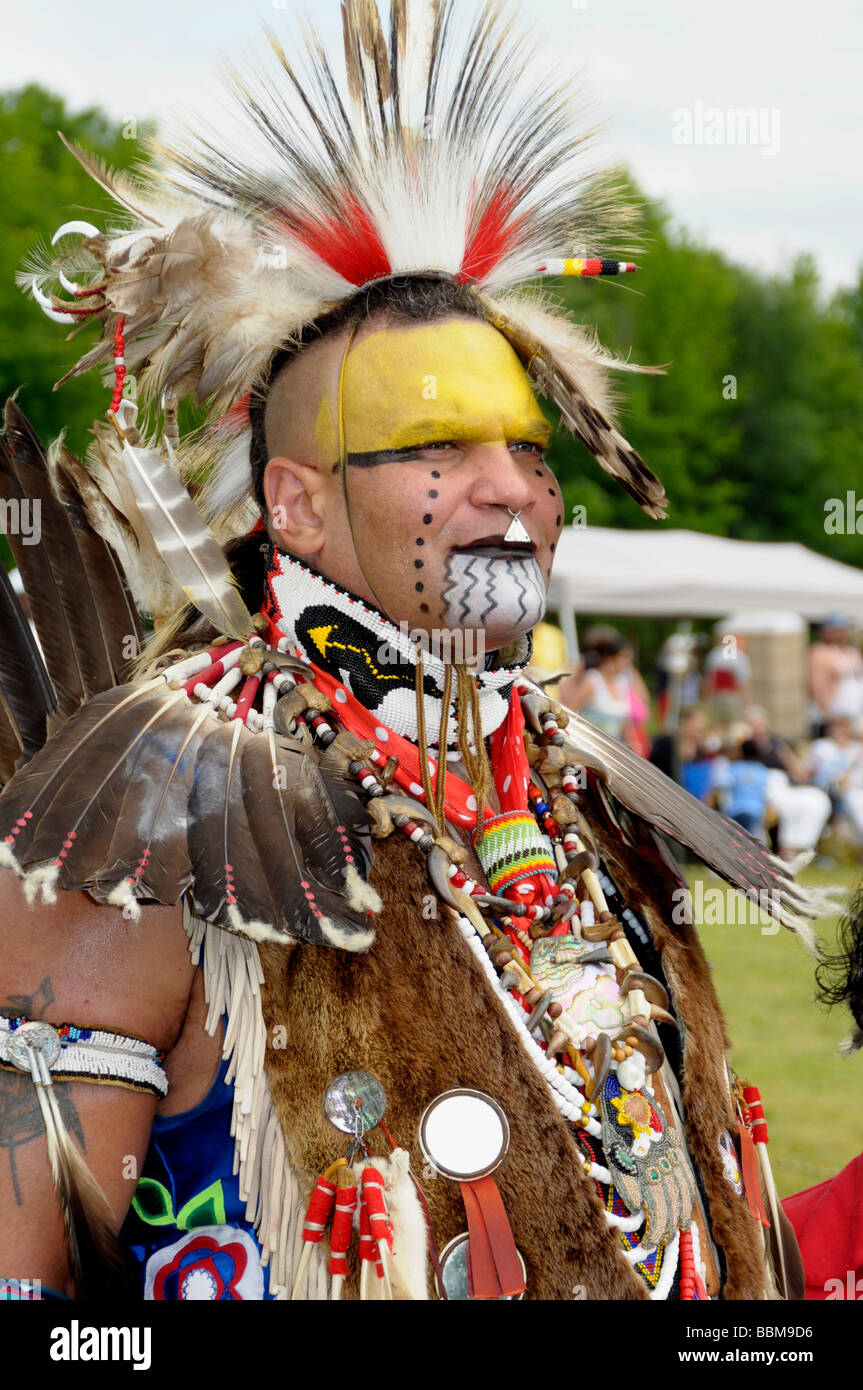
<point>30,1038</point>
<point>464,1134</point>
<point>355,1093</point>
<point>453,1268</point>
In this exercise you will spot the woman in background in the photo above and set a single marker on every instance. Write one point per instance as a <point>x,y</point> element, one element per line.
<point>598,688</point>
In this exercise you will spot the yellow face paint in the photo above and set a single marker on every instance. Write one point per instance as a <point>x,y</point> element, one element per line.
<point>404,387</point>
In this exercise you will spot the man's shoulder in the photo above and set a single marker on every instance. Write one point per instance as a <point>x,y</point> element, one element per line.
<point>76,961</point>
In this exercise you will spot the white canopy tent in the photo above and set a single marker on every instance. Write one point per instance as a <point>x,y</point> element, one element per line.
<point>686,574</point>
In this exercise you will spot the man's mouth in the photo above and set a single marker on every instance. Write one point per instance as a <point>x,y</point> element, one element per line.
<point>495,547</point>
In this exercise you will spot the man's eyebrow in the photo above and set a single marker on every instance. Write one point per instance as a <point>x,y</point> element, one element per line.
<point>535,433</point>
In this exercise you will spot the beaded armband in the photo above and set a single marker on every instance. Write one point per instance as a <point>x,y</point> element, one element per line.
<point>83,1054</point>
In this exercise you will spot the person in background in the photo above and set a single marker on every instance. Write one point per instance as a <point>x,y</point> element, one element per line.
<point>597,688</point>
<point>836,765</point>
<point>835,676</point>
<point>802,811</point>
<point>742,783</point>
<point>676,753</point>
<point>638,695</point>
<point>727,678</point>
<point>679,654</point>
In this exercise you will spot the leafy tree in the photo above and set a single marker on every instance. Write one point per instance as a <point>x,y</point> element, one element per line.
<point>41,186</point>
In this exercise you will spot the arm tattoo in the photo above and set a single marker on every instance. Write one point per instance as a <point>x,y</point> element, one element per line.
<point>20,1112</point>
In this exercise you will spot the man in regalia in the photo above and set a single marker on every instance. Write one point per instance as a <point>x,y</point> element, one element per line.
<point>324,869</point>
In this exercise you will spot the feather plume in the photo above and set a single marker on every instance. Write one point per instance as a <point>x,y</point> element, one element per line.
<point>28,697</point>
<point>438,151</point>
<point>568,366</point>
<point>88,739</point>
<point>186,544</point>
<point>221,845</point>
<point>119,184</point>
<point>721,844</point>
<point>113,513</point>
<point>144,795</point>
<point>302,838</point>
<point>101,1268</point>
<point>63,606</point>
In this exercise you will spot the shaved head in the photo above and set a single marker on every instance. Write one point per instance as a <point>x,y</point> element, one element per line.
<point>296,396</point>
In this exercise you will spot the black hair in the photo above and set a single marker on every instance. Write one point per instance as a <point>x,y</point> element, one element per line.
<point>408,298</point>
<point>840,976</point>
<point>749,750</point>
<point>601,643</point>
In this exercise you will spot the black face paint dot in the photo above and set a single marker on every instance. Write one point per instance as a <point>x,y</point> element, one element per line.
<point>418,564</point>
<point>558,520</point>
<point>424,608</point>
<point>433,492</point>
<point>435,473</point>
<point>551,548</point>
<point>538,472</point>
<point>420,540</point>
<point>427,519</point>
<point>551,492</point>
<point>419,587</point>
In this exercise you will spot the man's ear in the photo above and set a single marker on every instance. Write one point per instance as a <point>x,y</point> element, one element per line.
<point>294,497</point>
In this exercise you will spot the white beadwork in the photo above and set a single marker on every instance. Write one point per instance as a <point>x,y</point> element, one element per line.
<point>103,1056</point>
<point>669,1269</point>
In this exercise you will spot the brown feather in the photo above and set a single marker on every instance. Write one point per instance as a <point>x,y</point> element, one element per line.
<point>720,843</point>
<point>101,1267</point>
<point>63,606</point>
<point>23,679</point>
<point>118,619</point>
<point>11,745</point>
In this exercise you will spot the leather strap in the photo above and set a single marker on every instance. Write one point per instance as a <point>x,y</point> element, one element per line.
<point>482,1275</point>
<point>484,1200</point>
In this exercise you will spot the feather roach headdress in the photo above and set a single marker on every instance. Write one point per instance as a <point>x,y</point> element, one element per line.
<point>438,152</point>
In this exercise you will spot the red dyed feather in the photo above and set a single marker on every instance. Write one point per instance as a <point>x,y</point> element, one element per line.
<point>349,245</point>
<point>495,233</point>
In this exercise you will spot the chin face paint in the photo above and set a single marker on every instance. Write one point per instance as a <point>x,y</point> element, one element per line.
<point>444,439</point>
<point>501,595</point>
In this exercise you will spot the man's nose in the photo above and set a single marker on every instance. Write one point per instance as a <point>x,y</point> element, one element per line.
<point>500,478</point>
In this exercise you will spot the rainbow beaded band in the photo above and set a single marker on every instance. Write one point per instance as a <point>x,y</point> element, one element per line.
<point>512,849</point>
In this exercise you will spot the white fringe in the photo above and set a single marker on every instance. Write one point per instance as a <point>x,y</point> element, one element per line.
<point>122,896</point>
<point>8,860</point>
<point>41,881</point>
<point>274,1195</point>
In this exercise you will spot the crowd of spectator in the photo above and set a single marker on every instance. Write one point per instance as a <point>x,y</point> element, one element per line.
<point>720,746</point>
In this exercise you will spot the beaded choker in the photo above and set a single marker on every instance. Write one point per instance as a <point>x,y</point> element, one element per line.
<point>367,655</point>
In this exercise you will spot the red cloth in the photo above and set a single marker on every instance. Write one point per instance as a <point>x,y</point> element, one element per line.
<point>828,1220</point>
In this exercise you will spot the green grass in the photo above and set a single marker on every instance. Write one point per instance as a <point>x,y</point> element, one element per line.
<point>786,1043</point>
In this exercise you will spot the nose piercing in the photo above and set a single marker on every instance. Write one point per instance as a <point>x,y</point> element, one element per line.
<point>516,531</point>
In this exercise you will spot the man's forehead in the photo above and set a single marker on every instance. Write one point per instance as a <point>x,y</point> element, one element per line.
<point>414,384</point>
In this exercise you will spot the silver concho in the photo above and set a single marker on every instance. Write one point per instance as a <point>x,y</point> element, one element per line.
<point>29,1038</point>
<point>464,1134</point>
<point>355,1101</point>
<point>453,1268</point>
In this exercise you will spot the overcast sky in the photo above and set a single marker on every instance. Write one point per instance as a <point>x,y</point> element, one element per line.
<point>665,73</point>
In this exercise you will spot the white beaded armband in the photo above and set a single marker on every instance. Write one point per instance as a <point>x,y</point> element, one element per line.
<point>82,1054</point>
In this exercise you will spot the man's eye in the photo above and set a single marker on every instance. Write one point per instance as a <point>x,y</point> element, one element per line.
<point>528,449</point>
<point>439,448</point>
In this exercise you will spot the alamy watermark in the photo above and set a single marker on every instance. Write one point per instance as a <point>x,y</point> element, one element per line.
<point>460,647</point>
<point>849,1289</point>
<point>713,125</point>
<point>21,516</point>
<point>843,516</point>
<point>726,907</point>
